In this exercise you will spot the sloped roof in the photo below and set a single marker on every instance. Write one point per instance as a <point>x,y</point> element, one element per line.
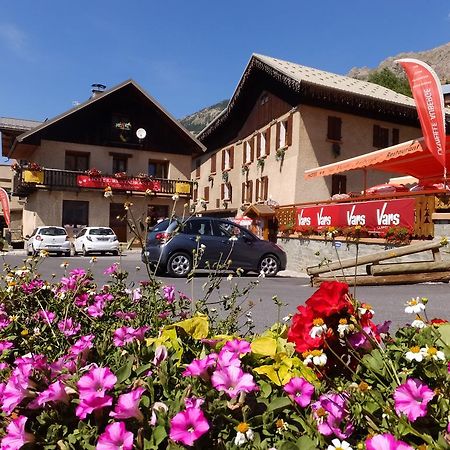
<point>98,98</point>
<point>298,76</point>
<point>335,81</point>
<point>11,124</point>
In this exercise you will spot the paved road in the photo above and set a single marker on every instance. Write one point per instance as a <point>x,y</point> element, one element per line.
<point>387,301</point>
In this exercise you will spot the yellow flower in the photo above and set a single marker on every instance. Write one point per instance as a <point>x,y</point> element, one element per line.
<point>24,332</point>
<point>243,427</point>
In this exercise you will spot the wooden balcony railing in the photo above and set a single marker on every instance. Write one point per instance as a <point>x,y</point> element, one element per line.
<point>26,181</point>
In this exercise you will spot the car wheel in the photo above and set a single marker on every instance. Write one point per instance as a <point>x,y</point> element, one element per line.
<point>84,251</point>
<point>58,254</point>
<point>68,254</point>
<point>269,266</point>
<point>115,252</point>
<point>179,265</point>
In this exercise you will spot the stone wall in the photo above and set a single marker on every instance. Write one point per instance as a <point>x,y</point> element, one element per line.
<point>302,253</point>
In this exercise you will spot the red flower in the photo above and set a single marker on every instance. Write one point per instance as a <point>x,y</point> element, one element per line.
<point>302,322</point>
<point>331,298</point>
<point>438,321</point>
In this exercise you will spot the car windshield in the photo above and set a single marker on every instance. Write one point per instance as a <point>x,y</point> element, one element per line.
<point>162,226</point>
<point>53,231</point>
<point>101,232</point>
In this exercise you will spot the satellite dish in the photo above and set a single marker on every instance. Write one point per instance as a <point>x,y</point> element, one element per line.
<point>141,133</point>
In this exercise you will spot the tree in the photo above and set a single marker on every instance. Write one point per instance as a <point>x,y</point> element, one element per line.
<point>387,78</point>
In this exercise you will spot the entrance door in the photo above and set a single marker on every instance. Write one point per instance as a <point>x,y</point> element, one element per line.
<point>116,214</point>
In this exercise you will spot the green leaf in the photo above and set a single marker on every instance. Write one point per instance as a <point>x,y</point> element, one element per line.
<point>159,434</point>
<point>444,337</point>
<point>125,371</point>
<point>306,443</point>
<point>289,446</point>
<point>265,346</point>
<point>279,403</point>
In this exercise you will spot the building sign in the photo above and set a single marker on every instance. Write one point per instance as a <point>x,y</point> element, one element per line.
<point>33,176</point>
<point>125,184</point>
<point>182,188</point>
<point>373,215</point>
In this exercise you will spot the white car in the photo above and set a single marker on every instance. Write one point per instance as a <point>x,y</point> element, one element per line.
<point>96,239</point>
<point>50,239</point>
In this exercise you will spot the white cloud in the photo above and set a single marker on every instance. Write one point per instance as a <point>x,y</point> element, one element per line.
<point>14,39</point>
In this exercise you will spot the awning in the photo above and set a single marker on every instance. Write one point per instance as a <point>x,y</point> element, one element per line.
<point>410,158</point>
<point>259,210</point>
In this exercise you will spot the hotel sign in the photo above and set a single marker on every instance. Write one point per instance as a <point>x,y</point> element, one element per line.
<point>126,184</point>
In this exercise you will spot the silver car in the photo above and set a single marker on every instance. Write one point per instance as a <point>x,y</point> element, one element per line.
<point>48,238</point>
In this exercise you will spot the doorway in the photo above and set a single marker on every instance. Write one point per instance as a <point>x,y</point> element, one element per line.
<point>117,222</point>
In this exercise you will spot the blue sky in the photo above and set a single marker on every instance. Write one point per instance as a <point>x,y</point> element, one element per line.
<point>190,54</point>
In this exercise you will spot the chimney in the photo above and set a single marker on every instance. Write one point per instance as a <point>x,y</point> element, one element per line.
<point>97,89</point>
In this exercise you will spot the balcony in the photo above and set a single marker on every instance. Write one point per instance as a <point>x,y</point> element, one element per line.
<point>27,181</point>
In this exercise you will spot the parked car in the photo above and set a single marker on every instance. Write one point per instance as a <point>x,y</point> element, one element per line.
<point>49,238</point>
<point>96,239</point>
<point>171,244</point>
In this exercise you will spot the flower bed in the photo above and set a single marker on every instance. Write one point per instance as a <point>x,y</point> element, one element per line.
<point>121,367</point>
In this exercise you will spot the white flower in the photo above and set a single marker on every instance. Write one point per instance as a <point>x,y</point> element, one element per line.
<point>262,274</point>
<point>414,354</point>
<point>93,260</point>
<point>433,352</point>
<point>230,277</point>
<point>318,329</point>
<point>175,197</point>
<point>343,327</point>
<point>365,308</point>
<point>418,323</point>
<point>242,438</point>
<point>316,357</point>
<point>414,306</point>
<point>336,444</point>
<point>64,265</point>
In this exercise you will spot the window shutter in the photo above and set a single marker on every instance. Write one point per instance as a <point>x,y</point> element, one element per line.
<point>230,192</point>
<point>277,140</point>
<point>222,191</point>
<point>213,163</point>
<point>195,195</point>
<point>289,131</point>
<point>217,202</point>
<point>250,191</point>
<point>223,159</point>
<point>257,194</point>
<point>244,152</point>
<point>395,136</point>
<point>268,141</point>
<point>376,136</point>
<point>244,192</point>
<point>252,149</point>
<point>258,145</point>
<point>265,188</point>
<point>231,157</point>
<point>197,168</point>
<point>206,193</point>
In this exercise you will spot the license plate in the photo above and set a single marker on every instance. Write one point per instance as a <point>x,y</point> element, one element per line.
<point>102,239</point>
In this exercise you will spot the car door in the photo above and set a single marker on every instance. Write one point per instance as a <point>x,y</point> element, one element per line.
<point>198,237</point>
<point>78,244</point>
<point>236,244</point>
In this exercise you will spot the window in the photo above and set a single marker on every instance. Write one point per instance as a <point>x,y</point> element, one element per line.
<point>334,132</point>
<point>214,163</point>
<point>158,169</point>
<point>247,191</point>
<point>282,133</point>
<point>195,194</point>
<point>119,163</point>
<point>338,184</point>
<point>395,136</point>
<point>226,192</point>
<point>380,137</point>
<point>262,189</point>
<point>206,193</point>
<point>228,158</point>
<point>195,227</point>
<point>75,213</point>
<point>248,152</point>
<point>77,161</point>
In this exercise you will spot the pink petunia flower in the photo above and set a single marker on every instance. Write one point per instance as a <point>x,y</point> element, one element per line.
<point>5,345</point>
<point>160,355</point>
<point>187,426</point>
<point>56,392</point>
<point>300,391</point>
<point>68,327</point>
<point>124,335</point>
<point>226,358</point>
<point>15,390</point>
<point>81,300</point>
<point>411,398</point>
<point>128,405</point>
<point>111,269</point>
<point>96,310</point>
<point>16,436</point>
<point>46,316</point>
<point>193,402</point>
<point>386,442</point>
<point>200,367</point>
<point>169,294</point>
<point>232,380</point>
<point>332,415</point>
<point>237,346</point>
<point>91,402</point>
<point>81,345</point>
<point>115,437</point>
<point>125,315</point>
<point>97,381</point>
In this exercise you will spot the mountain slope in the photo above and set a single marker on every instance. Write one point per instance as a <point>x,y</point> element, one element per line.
<point>438,58</point>
<point>197,121</point>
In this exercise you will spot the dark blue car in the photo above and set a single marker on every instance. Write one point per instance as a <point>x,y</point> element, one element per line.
<point>173,245</point>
